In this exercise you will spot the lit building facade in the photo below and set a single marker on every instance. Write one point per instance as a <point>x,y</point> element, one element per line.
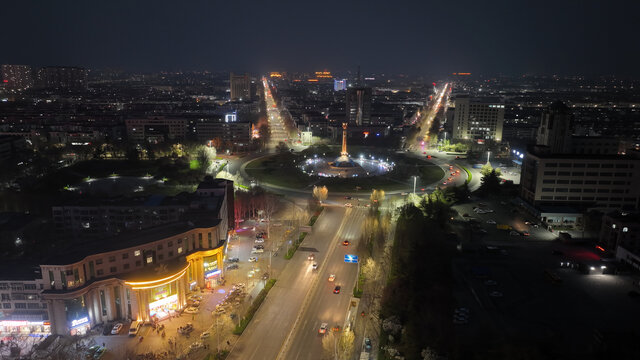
<point>16,77</point>
<point>478,119</point>
<point>156,129</point>
<point>358,106</point>
<point>240,87</point>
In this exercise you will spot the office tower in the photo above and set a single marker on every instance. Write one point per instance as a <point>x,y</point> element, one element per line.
<point>17,77</point>
<point>62,77</point>
<point>240,86</point>
<point>556,129</point>
<point>478,119</point>
<point>358,106</point>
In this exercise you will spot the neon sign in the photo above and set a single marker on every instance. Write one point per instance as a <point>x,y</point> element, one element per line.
<point>80,321</point>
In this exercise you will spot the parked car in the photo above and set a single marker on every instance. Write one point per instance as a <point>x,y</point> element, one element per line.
<point>191,310</point>
<point>514,233</point>
<point>323,328</point>
<point>492,222</point>
<point>314,266</point>
<point>116,329</point>
<point>232,267</point>
<point>195,346</point>
<point>253,259</point>
<point>205,335</point>
<point>367,344</point>
<point>495,294</point>
<point>233,259</point>
<point>99,353</point>
<point>259,240</point>
<point>332,277</point>
<point>106,330</point>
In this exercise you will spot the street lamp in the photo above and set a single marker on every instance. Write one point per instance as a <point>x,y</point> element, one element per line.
<point>415,178</point>
<point>488,154</point>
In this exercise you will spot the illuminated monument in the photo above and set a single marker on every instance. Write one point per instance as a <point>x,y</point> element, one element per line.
<point>344,166</point>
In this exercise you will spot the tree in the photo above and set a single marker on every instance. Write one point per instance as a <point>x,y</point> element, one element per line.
<point>133,154</point>
<point>320,193</point>
<point>329,345</point>
<point>487,169</point>
<point>282,147</point>
<point>377,196</point>
<point>346,345</point>
<point>490,183</point>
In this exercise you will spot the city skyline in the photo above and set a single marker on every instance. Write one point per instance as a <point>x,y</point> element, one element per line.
<point>585,38</point>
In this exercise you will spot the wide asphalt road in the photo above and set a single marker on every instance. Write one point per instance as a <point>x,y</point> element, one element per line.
<point>270,327</point>
<point>324,306</point>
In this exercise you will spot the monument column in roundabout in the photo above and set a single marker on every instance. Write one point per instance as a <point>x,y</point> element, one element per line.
<point>344,140</point>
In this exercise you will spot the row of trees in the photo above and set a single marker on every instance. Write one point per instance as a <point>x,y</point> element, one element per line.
<point>417,301</point>
<point>255,203</point>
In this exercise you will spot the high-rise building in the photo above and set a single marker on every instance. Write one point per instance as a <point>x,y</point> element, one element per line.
<point>478,119</point>
<point>62,77</point>
<point>17,77</point>
<point>240,86</point>
<point>358,106</point>
<point>555,128</point>
<point>339,84</point>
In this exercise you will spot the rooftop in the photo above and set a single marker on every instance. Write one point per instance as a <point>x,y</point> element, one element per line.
<point>77,252</point>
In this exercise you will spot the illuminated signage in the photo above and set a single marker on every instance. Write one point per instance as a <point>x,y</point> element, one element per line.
<point>163,302</point>
<point>230,118</point>
<point>213,273</point>
<point>80,321</point>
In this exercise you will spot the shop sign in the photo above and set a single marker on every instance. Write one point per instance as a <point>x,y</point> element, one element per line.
<point>213,273</point>
<point>80,321</point>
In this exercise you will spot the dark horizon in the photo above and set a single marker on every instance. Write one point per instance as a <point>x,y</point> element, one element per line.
<point>569,38</point>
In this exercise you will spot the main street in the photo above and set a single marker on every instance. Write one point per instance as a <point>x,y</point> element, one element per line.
<point>324,306</point>
<point>271,326</point>
<point>277,129</point>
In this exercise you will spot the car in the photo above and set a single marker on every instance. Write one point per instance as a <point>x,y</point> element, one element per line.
<point>191,310</point>
<point>232,267</point>
<point>257,251</point>
<point>332,277</point>
<point>514,233</point>
<point>367,344</point>
<point>345,243</point>
<point>491,282</point>
<point>265,276</point>
<point>106,330</point>
<point>462,310</point>
<point>92,350</point>
<point>116,329</point>
<point>323,328</point>
<point>314,266</point>
<point>258,247</point>
<point>492,222</point>
<point>348,205</point>
<point>449,178</point>
<point>253,259</point>
<point>233,259</point>
<point>348,198</point>
<point>465,215</point>
<point>404,194</point>
<point>525,233</point>
<point>99,353</point>
<point>336,290</point>
<point>259,241</point>
<point>195,346</point>
<point>311,257</point>
<point>444,183</point>
<point>205,335</point>
<point>495,294</point>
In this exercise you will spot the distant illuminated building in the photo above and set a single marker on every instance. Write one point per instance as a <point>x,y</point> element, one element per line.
<point>16,77</point>
<point>275,74</point>
<point>478,119</point>
<point>240,86</point>
<point>339,84</point>
<point>62,77</point>
<point>323,75</point>
<point>358,106</point>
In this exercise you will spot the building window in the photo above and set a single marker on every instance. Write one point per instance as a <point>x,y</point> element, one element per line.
<point>4,286</point>
<point>149,259</point>
<point>112,259</point>
<point>180,250</point>
<point>170,243</point>
<point>126,266</point>
<point>136,253</point>
<point>100,272</point>
<point>112,269</point>
<point>160,247</point>
<point>170,253</point>
<point>6,305</point>
<point>160,257</point>
<point>125,256</point>
<point>98,261</point>
<point>138,263</point>
<point>20,305</point>
<point>6,297</point>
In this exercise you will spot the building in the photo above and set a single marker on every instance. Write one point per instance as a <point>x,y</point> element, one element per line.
<point>621,229</point>
<point>235,132</point>
<point>10,145</point>
<point>339,84</point>
<point>240,87</point>
<point>62,77</point>
<point>358,106</point>
<point>91,218</point>
<point>555,130</point>
<point>583,182</point>
<point>478,119</point>
<point>16,77</point>
<point>156,129</point>
<point>143,275</point>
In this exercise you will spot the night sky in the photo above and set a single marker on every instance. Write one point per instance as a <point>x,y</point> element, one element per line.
<point>417,37</point>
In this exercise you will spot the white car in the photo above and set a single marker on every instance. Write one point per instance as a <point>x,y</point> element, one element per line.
<point>314,266</point>
<point>205,335</point>
<point>492,222</point>
<point>332,277</point>
<point>257,251</point>
<point>259,240</point>
<point>323,328</point>
<point>253,259</point>
<point>116,329</point>
<point>191,310</point>
<point>195,346</point>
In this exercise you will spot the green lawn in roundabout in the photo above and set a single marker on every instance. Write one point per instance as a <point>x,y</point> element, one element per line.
<point>282,170</point>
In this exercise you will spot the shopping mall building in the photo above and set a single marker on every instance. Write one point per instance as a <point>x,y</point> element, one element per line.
<point>143,275</point>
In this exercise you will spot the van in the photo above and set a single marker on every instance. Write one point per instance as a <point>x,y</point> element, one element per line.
<point>135,327</point>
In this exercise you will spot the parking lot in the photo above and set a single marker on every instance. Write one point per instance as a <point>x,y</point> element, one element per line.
<point>516,291</point>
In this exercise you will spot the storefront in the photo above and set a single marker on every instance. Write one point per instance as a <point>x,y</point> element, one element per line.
<point>79,326</point>
<point>211,272</point>
<point>163,301</point>
<point>24,327</point>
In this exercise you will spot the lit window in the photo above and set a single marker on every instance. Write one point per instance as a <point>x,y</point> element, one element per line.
<point>149,259</point>
<point>180,250</point>
<point>613,226</point>
<point>625,229</point>
<point>136,253</point>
